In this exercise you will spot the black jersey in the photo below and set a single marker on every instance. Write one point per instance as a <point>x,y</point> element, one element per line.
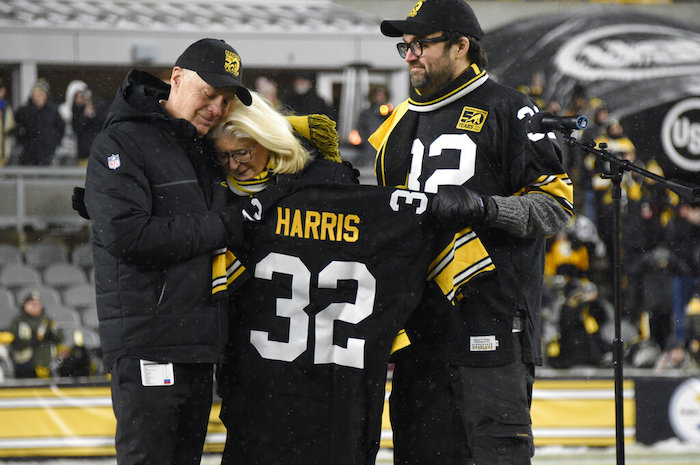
<point>334,271</point>
<point>474,133</point>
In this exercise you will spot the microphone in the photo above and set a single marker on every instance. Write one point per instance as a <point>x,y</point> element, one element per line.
<point>545,122</point>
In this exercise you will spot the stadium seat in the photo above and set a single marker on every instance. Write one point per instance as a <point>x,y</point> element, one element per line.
<point>80,296</point>
<point>8,308</point>
<point>14,276</point>
<point>62,275</point>
<point>82,256</point>
<point>91,339</point>
<point>9,254</point>
<point>66,318</point>
<point>89,317</point>
<point>42,254</point>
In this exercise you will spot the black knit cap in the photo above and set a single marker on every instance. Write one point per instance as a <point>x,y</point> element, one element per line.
<point>217,63</point>
<point>429,16</point>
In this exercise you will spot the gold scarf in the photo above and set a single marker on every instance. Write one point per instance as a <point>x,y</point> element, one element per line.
<point>251,186</point>
<point>320,131</point>
<point>225,269</point>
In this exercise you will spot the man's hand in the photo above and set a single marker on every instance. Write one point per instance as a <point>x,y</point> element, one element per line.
<point>232,217</point>
<point>78,202</point>
<point>457,206</point>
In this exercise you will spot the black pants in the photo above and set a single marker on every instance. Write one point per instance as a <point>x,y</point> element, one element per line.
<point>448,414</point>
<point>161,425</point>
<point>425,422</point>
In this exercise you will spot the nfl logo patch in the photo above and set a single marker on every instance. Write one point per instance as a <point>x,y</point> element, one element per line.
<point>113,161</point>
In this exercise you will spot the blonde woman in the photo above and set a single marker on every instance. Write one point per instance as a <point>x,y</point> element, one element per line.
<point>255,144</point>
<point>257,147</point>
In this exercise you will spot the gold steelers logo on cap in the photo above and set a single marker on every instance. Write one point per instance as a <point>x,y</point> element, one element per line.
<point>415,9</point>
<point>232,63</point>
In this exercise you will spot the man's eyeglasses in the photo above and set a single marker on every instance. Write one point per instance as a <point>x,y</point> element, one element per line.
<point>241,156</point>
<point>416,46</point>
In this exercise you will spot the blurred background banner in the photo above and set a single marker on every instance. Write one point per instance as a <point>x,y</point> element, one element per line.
<point>668,408</point>
<point>644,66</point>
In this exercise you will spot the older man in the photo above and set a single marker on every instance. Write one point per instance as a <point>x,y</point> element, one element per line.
<point>158,212</point>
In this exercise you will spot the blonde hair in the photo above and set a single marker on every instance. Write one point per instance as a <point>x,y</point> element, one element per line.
<point>269,128</point>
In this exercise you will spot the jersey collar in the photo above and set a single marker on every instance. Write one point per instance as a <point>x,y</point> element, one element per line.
<point>463,84</point>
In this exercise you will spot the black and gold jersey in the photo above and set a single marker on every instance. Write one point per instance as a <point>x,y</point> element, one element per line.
<point>474,132</point>
<point>332,273</point>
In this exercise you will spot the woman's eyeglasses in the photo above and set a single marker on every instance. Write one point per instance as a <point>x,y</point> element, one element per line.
<point>416,46</point>
<point>241,156</point>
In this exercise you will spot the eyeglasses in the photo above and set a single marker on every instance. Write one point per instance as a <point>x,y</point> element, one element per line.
<point>416,46</point>
<point>241,156</point>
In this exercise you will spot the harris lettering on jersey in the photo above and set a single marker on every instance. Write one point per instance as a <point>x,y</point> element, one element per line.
<point>317,225</point>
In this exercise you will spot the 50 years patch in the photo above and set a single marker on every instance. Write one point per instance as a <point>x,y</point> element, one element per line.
<point>472,119</point>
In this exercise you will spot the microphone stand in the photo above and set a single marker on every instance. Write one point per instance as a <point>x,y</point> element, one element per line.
<point>617,168</point>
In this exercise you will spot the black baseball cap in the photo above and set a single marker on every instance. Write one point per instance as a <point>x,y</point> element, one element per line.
<point>217,63</point>
<point>429,16</point>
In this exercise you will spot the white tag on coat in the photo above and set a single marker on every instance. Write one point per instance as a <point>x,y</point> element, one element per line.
<point>157,374</point>
<point>482,343</point>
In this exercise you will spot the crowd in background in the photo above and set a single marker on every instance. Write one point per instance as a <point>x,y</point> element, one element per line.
<point>44,132</point>
<point>660,251</point>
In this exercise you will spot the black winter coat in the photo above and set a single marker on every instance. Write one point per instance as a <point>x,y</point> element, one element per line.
<point>150,193</point>
<point>39,132</point>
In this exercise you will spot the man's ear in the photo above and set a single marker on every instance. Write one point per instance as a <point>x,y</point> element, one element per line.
<point>176,76</point>
<point>462,47</point>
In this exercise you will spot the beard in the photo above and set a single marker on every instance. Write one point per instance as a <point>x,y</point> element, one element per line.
<point>428,81</point>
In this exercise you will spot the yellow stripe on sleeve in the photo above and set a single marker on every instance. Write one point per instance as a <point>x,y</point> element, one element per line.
<point>459,262</point>
<point>401,341</point>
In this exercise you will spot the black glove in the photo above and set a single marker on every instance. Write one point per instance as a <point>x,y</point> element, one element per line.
<point>457,207</point>
<point>232,218</point>
<point>355,171</point>
<point>78,202</point>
